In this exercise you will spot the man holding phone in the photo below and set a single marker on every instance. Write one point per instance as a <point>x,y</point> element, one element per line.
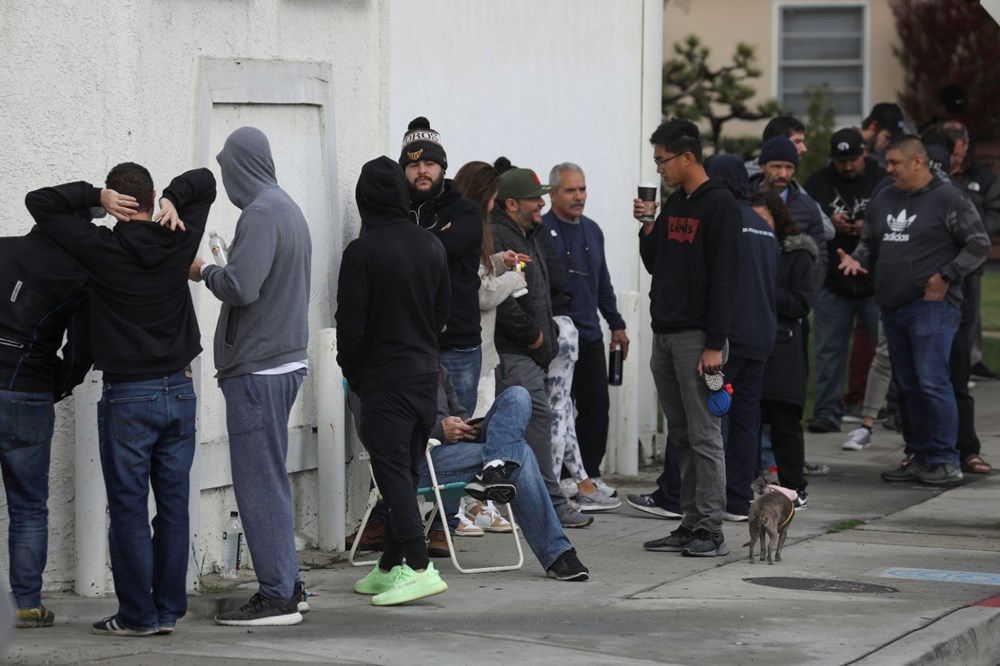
<point>843,189</point>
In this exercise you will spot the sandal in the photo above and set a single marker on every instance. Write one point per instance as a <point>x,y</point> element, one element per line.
<point>974,464</point>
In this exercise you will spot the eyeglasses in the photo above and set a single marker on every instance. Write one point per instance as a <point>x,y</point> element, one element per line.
<point>660,162</point>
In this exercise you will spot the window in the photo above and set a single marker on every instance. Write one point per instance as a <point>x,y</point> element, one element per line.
<point>817,45</point>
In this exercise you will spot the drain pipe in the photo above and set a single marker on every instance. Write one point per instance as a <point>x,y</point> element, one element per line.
<point>91,502</point>
<point>331,463</point>
<point>627,395</point>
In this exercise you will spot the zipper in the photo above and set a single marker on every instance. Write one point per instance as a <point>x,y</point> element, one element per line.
<point>11,343</point>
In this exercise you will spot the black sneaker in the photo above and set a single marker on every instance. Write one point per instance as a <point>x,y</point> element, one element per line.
<point>301,596</point>
<point>980,370</point>
<point>493,483</point>
<point>647,504</point>
<point>111,626</point>
<point>706,544</point>
<point>893,422</point>
<point>801,500</point>
<point>940,475</point>
<point>262,611</point>
<point>568,567</point>
<point>674,543</point>
<point>910,470</point>
<point>820,425</point>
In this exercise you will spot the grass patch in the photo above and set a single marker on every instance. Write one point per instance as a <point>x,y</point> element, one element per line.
<point>990,304</point>
<point>848,524</point>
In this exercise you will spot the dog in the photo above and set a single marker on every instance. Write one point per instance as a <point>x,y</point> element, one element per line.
<point>770,515</point>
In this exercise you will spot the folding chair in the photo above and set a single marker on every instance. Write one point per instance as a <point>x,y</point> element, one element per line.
<point>439,492</point>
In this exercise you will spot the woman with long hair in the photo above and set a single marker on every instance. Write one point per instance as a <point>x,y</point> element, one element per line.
<point>480,182</point>
<point>784,395</point>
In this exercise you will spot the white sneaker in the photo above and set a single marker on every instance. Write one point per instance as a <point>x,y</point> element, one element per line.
<point>568,488</point>
<point>604,488</point>
<point>486,517</point>
<point>597,501</point>
<point>466,527</point>
<point>858,439</point>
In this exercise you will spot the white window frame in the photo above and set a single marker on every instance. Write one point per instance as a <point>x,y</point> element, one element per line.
<point>776,33</point>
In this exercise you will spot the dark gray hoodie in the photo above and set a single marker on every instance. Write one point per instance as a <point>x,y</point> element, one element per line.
<point>264,288</point>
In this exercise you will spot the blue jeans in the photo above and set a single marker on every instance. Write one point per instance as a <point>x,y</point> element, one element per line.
<point>503,431</point>
<point>147,438</point>
<point>464,366</point>
<point>920,335</point>
<point>833,324</point>
<point>26,421</point>
<point>257,408</point>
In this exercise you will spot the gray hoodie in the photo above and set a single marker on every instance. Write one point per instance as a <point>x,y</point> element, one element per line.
<point>264,288</point>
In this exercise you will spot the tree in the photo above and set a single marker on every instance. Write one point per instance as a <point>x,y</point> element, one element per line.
<point>949,42</point>
<point>819,122</point>
<point>695,91</point>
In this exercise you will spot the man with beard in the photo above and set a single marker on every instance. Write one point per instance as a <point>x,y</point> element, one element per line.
<point>843,188</point>
<point>437,204</point>
<point>883,124</point>
<point>526,336</point>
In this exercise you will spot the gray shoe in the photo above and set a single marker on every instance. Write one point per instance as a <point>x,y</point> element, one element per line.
<point>815,469</point>
<point>674,543</point>
<point>940,475</point>
<point>596,501</point>
<point>910,470</point>
<point>569,517</point>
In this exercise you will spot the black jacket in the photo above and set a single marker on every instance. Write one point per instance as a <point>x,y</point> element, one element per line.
<point>693,254</point>
<point>143,322</point>
<point>520,320</point>
<point>836,194</point>
<point>458,224</point>
<point>393,294</point>
<point>785,371</point>
<point>42,297</point>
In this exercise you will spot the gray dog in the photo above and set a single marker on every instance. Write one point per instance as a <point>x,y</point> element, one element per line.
<point>770,515</point>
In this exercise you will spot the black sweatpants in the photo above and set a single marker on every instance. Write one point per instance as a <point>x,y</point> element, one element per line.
<point>590,392</point>
<point>396,420</point>
<point>787,441</point>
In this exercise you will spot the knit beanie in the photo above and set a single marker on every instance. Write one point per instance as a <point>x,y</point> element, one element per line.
<point>422,143</point>
<point>779,149</point>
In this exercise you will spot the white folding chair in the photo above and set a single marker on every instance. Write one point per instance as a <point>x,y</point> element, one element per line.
<point>439,492</point>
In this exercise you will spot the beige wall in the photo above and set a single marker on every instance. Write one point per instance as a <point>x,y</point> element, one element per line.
<point>721,24</point>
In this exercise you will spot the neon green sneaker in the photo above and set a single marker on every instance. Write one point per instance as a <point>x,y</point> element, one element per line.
<point>29,618</point>
<point>377,581</point>
<point>411,585</point>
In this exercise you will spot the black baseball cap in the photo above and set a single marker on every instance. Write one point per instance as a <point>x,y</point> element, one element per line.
<point>888,116</point>
<point>846,144</point>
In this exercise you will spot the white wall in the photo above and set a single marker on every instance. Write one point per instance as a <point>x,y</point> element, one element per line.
<point>87,85</point>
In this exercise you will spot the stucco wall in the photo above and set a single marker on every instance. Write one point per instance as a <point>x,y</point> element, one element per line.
<point>87,85</point>
<point>754,22</point>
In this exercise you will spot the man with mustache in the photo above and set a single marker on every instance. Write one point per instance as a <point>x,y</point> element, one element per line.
<point>580,242</point>
<point>843,188</point>
<point>526,335</point>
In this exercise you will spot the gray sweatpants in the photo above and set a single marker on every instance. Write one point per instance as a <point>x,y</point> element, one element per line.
<point>697,432</point>
<point>520,370</point>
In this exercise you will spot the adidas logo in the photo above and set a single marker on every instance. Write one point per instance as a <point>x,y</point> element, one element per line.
<point>897,226</point>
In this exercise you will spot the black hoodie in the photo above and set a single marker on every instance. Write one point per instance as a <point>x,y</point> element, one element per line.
<point>143,323</point>
<point>394,293</point>
<point>458,224</point>
<point>693,254</point>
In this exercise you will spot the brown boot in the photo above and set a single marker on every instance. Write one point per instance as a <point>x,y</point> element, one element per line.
<point>374,537</point>
<point>437,545</point>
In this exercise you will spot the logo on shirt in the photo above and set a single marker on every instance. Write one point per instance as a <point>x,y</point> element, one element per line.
<point>897,226</point>
<point>682,229</point>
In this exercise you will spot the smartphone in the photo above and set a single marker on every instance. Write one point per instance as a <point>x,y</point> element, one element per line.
<point>475,421</point>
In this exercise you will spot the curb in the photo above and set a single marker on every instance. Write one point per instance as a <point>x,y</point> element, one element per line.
<point>968,636</point>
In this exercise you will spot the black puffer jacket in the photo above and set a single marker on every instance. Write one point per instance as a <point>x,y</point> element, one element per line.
<point>786,367</point>
<point>520,320</point>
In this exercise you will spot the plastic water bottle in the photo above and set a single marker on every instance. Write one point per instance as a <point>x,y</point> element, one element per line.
<point>232,546</point>
<point>219,250</point>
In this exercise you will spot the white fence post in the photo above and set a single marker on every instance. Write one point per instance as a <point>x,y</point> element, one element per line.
<point>331,468</point>
<point>91,500</point>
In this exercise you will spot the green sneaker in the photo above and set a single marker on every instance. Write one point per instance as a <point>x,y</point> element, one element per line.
<point>377,581</point>
<point>29,618</point>
<point>411,585</point>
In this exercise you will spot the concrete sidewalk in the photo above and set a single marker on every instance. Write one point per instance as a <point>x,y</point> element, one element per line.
<point>937,551</point>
